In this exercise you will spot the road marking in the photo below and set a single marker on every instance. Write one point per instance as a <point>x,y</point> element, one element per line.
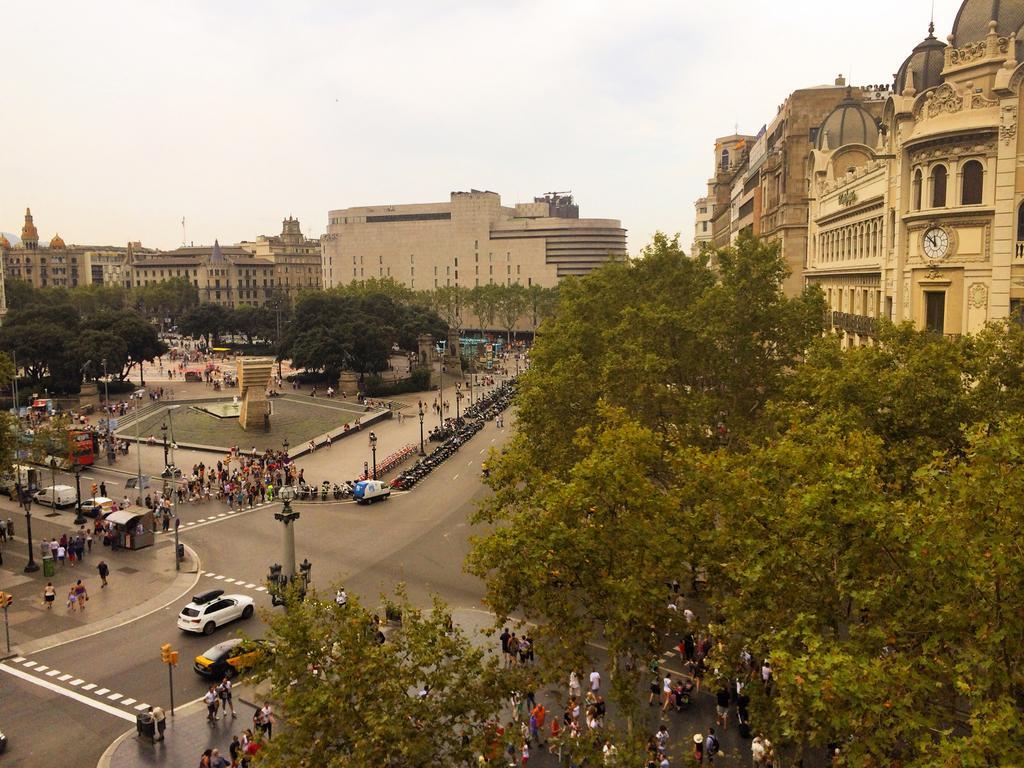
<point>482,450</point>
<point>114,696</point>
<point>201,520</point>
<point>77,681</point>
<point>250,586</point>
<point>229,581</point>
<point>18,659</point>
<point>456,476</point>
<point>88,687</point>
<point>128,702</point>
<point>223,514</point>
<point>30,664</point>
<point>53,673</point>
<point>102,691</point>
<point>231,511</point>
<point>69,693</point>
<point>41,668</point>
<point>65,678</point>
<point>190,523</point>
<point>219,578</point>
<point>470,464</point>
<point>261,589</point>
<point>142,706</point>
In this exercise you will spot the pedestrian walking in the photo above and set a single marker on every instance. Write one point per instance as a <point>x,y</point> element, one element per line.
<point>212,701</point>
<point>81,595</point>
<point>574,685</point>
<point>72,600</point>
<point>711,746</point>
<point>267,719</point>
<point>49,595</point>
<point>698,748</point>
<point>103,570</point>
<point>224,691</point>
<point>595,681</point>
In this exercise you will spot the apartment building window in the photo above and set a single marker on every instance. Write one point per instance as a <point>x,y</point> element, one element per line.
<point>478,282</point>
<point>519,269</point>
<point>447,270</point>
<point>510,269</point>
<point>411,258</point>
<point>476,257</point>
<point>476,243</point>
<point>456,275</point>
<point>508,255</point>
<point>412,271</point>
<point>435,270</point>
<point>917,190</point>
<point>490,269</point>
<point>529,282</point>
<point>935,311</point>
<point>477,269</point>
<point>456,262</point>
<point>435,282</point>
<point>353,271</point>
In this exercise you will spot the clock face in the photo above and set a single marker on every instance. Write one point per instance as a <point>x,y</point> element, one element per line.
<point>936,243</point>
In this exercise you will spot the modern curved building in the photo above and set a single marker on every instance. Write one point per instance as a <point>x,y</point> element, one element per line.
<point>471,240</point>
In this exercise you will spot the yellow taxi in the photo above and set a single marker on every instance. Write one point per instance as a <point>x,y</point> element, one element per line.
<point>229,658</point>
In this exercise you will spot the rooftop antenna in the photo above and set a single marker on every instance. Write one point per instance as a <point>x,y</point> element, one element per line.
<point>184,240</point>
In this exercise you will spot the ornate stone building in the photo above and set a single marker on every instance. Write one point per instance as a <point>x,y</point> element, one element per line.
<point>60,265</point>
<point>298,265</point>
<point>927,224</point>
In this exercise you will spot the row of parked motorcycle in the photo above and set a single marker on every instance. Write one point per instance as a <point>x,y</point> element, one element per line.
<point>455,433</point>
<point>325,491</point>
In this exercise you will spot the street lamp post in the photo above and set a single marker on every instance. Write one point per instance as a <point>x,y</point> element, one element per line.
<point>458,399</point>
<point>422,452</point>
<point>287,469</point>
<point>79,517</point>
<point>373,449</point>
<point>163,432</point>
<point>138,446</point>
<point>32,567</point>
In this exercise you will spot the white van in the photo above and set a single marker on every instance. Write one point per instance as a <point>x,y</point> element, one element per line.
<point>57,496</point>
<point>367,491</point>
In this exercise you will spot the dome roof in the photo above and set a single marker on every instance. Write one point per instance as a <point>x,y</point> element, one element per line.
<point>5,244</point>
<point>971,25</point>
<point>848,123</point>
<point>926,63</point>
<point>57,242</point>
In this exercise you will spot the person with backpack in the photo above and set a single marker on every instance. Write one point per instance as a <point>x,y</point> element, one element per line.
<point>711,746</point>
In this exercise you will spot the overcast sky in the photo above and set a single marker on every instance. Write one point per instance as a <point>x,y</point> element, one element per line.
<point>122,118</point>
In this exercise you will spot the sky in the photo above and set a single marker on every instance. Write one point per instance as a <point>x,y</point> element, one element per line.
<point>124,117</point>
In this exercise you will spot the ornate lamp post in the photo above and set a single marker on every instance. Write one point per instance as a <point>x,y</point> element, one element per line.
<point>422,452</point>
<point>458,399</point>
<point>373,449</point>
<point>285,446</point>
<point>281,577</point>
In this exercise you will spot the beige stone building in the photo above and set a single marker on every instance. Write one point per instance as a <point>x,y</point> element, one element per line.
<point>927,223</point>
<point>298,265</point>
<point>714,211</point>
<point>470,240</point>
<point>60,265</point>
<point>227,275</point>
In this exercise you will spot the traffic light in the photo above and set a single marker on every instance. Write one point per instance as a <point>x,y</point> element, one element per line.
<point>6,598</point>
<point>167,654</point>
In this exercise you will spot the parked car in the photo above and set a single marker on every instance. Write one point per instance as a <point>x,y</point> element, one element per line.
<point>89,506</point>
<point>229,658</point>
<point>3,742</point>
<point>367,491</point>
<point>56,496</point>
<point>213,609</point>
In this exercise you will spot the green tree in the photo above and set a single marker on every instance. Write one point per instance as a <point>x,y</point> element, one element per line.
<point>512,303</point>
<point>206,321</point>
<point>93,347</point>
<point>94,298</point>
<point>169,299</point>
<point>142,342</point>
<point>483,301</point>
<point>542,302</point>
<point>352,701</point>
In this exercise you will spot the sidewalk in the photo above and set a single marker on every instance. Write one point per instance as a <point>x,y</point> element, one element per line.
<point>188,734</point>
<point>139,582</point>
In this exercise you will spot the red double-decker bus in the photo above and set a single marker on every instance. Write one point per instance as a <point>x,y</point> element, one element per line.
<point>82,447</point>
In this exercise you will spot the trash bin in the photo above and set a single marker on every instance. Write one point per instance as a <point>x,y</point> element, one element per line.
<point>181,552</point>
<point>144,725</point>
<point>49,568</point>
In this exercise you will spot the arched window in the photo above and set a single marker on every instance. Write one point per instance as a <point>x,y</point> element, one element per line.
<point>917,190</point>
<point>1020,222</point>
<point>971,178</point>
<point>725,159</point>
<point>939,186</point>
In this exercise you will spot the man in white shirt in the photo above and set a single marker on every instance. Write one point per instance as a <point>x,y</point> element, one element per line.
<point>595,681</point>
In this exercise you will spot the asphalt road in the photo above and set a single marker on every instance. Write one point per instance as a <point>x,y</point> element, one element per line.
<point>419,537</point>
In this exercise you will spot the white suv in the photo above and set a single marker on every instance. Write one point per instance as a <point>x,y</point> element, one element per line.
<point>212,609</point>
